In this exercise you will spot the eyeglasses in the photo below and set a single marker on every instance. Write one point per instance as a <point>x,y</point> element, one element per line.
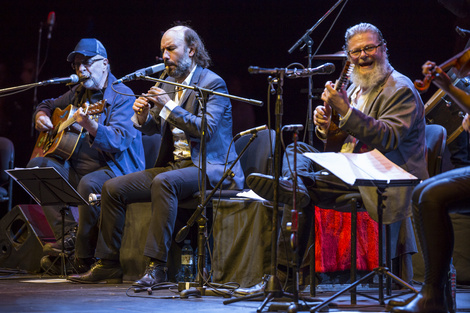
<point>87,63</point>
<point>369,50</point>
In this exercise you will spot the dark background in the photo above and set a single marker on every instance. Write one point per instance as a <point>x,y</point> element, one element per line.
<point>237,34</point>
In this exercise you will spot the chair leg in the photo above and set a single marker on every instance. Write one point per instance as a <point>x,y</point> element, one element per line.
<point>312,256</point>
<point>10,184</point>
<point>388,259</point>
<point>353,271</point>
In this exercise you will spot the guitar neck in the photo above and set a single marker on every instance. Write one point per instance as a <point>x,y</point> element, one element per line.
<point>72,120</point>
<point>341,82</point>
<point>66,124</point>
<point>335,136</point>
<point>344,77</point>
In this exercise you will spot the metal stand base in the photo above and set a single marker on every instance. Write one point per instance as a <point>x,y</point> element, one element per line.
<point>63,257</point>
<point>381,270</point>
<point>273,290</point>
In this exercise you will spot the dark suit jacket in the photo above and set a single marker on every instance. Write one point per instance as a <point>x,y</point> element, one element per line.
<point>188,117</point>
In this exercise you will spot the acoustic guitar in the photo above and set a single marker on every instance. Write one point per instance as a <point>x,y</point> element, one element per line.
<point>62,140</point>
<point>335,137</point>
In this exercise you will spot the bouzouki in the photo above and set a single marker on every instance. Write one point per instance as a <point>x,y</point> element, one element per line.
<point>63,138</point>
<point>335,137</point>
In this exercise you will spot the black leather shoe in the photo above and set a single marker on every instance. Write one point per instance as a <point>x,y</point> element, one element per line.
<point>54,248</point>
<point>53,266</point>
<point>82,265</point>
<point>154,274</point>
<point>258,288</point>
<point>421,305</point>
<point>402,302</point>
<point>99,273</point>
<point>263,185</point>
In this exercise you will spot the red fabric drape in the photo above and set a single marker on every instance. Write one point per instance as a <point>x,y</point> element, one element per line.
<point>333,241</point>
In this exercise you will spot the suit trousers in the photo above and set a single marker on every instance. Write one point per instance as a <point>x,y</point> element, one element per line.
<point>164,187</point>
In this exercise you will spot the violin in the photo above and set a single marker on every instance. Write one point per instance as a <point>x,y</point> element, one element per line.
<point>460,62</point>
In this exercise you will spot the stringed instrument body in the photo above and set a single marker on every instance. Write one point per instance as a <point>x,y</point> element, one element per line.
<point>336,137</point>
<point>442,110</point>
<point>62,140</point>
<point>460,63</point>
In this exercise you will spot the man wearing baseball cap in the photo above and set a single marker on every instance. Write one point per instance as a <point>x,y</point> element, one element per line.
<point>108,146</point>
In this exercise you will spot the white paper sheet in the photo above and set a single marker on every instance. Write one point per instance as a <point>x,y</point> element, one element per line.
<point>363,169</point>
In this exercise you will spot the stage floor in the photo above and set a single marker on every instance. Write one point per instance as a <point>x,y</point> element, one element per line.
<point>28,293</point>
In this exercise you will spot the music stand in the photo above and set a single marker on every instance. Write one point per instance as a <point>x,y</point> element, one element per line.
<point>370,169</point>
<point>48,187</point>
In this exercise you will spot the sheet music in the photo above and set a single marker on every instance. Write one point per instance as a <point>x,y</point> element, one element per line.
<point>363,169</point>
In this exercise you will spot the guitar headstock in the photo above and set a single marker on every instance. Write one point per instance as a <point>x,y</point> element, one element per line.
<point>96,108</point>
<point>345,74</point>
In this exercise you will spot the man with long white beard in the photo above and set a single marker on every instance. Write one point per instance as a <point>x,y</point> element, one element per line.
<point>380,110</point>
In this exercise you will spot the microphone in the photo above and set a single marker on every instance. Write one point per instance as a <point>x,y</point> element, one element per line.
<point>84,78</point>
<point>142,72</point>
<point>260,70</point>
<point>462,32</point>
<point>183,233</point>
<point>293,127</point>
<point>326,68</point>
<point>94,198</point>
<point>72,79</point>
<point>251,131</point>
<point>50,22</point>
<point>80,80</point>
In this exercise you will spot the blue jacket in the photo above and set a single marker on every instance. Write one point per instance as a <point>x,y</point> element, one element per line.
<point>116,138</point>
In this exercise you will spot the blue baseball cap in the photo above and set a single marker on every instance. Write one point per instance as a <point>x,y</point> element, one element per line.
<point>88,47</point>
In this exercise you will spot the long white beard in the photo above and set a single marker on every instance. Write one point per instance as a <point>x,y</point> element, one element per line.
<point>369,80</point>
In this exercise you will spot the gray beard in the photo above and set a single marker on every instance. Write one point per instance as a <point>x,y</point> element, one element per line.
<point>182,69</point>
<point>92,83</point>
<point>370,80</point>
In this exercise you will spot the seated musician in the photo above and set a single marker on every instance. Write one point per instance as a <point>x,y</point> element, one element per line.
<point>433,200</point>
<point>106,147</point>
<point>381,110</point>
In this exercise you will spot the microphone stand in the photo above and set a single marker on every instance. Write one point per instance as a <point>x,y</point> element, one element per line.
<point>204,90</point>
<point>307,41</point>
<point>25,87</point>
<point>293,227</point>
<point>36,77</point>
<point>199,214</point>
<point>273,288</point>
